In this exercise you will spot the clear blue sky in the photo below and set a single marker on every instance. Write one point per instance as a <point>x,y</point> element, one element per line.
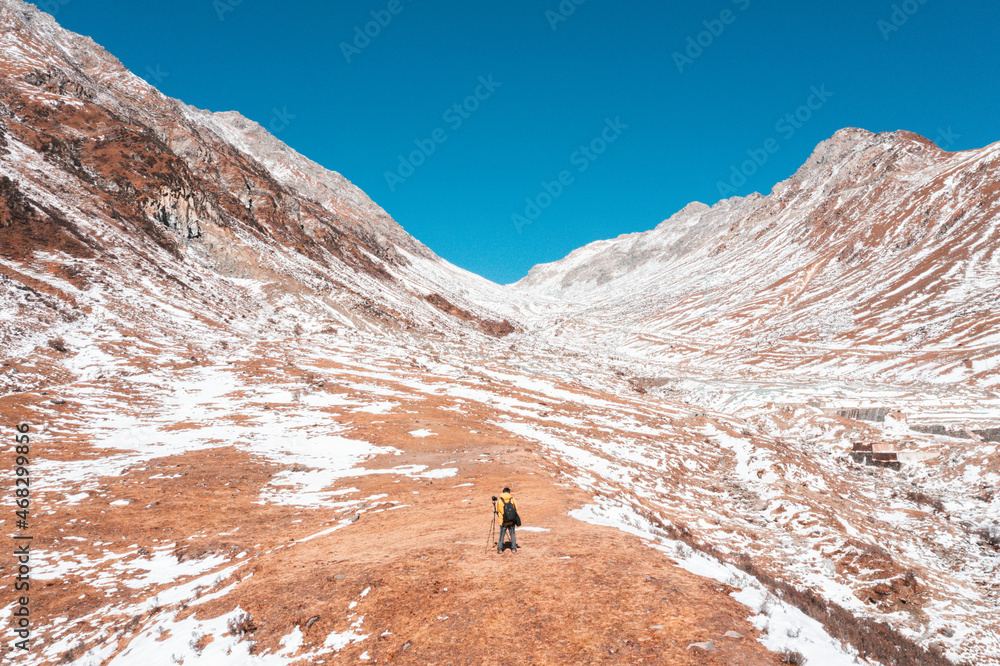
<point>607,60</point>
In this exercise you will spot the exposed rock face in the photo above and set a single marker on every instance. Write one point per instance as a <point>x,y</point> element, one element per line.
<point>866,414</point>
<point>148,158</point>
<point>497,329</point>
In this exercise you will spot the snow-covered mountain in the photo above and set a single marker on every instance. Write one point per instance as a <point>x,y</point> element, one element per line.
<point>879,258</point>
<point>264,418</point>
<point>115,184</point>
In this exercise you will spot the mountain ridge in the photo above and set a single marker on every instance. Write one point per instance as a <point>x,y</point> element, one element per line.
<point>845,253</point>
<point>114,158</point>
<point>837,145</point>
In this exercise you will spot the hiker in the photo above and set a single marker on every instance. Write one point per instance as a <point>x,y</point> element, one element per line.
<point>506,508</point>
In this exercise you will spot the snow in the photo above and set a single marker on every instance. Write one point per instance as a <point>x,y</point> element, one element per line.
<point>784,627</point>
<point>180,643</point>
<point>162,568</point>
<point>443,473</point>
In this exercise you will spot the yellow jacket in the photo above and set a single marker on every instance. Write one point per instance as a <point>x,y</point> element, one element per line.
<point>499,506</point>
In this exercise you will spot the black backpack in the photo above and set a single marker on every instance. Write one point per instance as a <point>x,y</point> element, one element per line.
<point>510,516</point>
